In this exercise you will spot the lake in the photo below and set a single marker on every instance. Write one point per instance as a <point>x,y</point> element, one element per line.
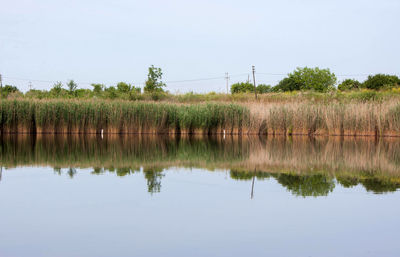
<point>199,196</point>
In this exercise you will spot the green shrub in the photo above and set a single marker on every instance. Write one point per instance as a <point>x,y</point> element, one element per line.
<point>242,87</point>
<point>262,89</point>
<point>320,80</point>
<point>380,81</point>
<point>7,89</point>
<point>349,84</point>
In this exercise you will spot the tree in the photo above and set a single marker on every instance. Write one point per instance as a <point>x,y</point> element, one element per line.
<point>57,88</point>
<point>379,81</point>
<point>349,84</point>
<point>154,83</point>
<point>8,89</point>
<point>262,89</point>
<point>111,92</point>
<point>286,84</point>
<point>320,80</point>
<point>242,87</point>
<point>98,88</point>
<point>123,87</point>
<point>72,86</point>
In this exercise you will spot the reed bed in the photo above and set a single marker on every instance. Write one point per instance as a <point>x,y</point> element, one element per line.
<point>350,118</point>
<point>95,117</point>
<point>334,118</point>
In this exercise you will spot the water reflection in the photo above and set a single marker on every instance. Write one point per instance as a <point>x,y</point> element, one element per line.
<point>304,166</point>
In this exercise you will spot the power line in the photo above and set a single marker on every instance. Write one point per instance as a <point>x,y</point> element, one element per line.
<point>178,81</point>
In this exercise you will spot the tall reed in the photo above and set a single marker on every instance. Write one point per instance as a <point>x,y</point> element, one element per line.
<point>86,117</point>
<point>352,118</point>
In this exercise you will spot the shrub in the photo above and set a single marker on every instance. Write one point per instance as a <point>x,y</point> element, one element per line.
<point>242,87</point>
<point>123,87</point>
<point>262,89</point>
<point>7,89</point>
<point>349,84</point>
<point>321,80</point>
<point>380,81</point>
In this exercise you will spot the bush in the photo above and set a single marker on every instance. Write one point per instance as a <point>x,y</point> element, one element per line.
<point>349,84</point>
<point>380,81</point>
<point>320,80</point>
<point>242,87</point>
<point>262,89</point>
<point>7,89</point>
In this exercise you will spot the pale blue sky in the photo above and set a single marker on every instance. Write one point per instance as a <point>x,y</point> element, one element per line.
<point>110,41</point>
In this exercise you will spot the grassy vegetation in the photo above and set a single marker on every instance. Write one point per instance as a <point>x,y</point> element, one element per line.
<point>71,116</point>
<point>303,116</point>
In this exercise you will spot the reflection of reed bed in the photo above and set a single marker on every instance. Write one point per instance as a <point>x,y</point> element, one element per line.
<point>330,155</point>
<point>294,162</point>
<point>348,155</point>
<point>115,151</point>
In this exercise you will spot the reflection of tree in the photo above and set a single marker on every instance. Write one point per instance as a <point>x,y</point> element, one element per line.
<point>97,171</point>
<point>57,170</point>
<point>306,185</point>
<point>71,172</point>
<point>153,176</point>
<point>375,185</point>
<point>347,181</point>
<point>379,186</point>
<point>124,171</point>
<point>248,175</point>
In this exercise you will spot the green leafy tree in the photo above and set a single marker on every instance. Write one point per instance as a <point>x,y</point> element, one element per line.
<point>242,87</point>
<point>154,83</point>
<point>98,88</point>
<point>123,87</point>
<point>8,89</point>
<point>72,86</point>
<point>286,84</point>
<point>320,80</point>
<point>380,81</point>
<point>349,84</point>
<point>111,92</point>
<point>57,89</point>
<point>263,89</point>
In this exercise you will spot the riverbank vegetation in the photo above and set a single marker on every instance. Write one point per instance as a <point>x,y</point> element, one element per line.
<point>302,83</point>
<point>369,118</point>
<point>306,102</point>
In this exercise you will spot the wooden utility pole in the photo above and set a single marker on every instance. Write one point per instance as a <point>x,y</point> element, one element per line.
<point>254,81</point>
<point>1,87</point>
<point>227,82</point>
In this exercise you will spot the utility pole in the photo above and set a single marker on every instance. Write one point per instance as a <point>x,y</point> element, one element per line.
<point>227,82</point>
<point>254,81</point>
<point>1,87</point>
<point>30,85</point>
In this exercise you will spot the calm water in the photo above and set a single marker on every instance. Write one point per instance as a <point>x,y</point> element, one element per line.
<point>155,196</point>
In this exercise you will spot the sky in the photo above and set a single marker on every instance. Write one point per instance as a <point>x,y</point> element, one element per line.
<point>43,41</point>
